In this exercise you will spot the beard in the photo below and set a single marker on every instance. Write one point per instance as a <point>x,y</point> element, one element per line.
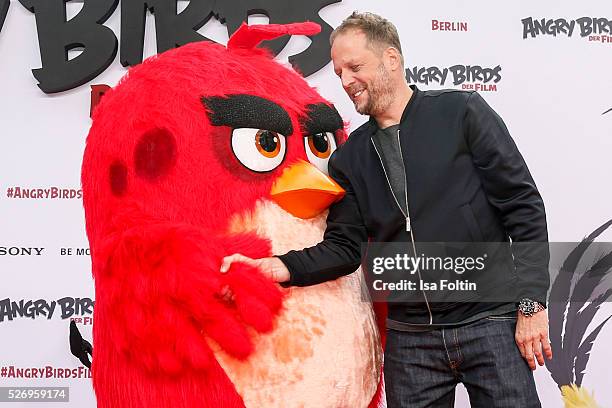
<point>379,94</point>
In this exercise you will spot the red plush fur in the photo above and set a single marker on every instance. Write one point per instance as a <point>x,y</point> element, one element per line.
<point>160,187</point>
<point>160,302</point>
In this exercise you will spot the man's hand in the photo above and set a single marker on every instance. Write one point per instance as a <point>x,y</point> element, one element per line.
<point>532,338</point>
<point>271,267</point>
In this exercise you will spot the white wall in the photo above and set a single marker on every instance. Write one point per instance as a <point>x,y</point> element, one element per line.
<point>552,95</point>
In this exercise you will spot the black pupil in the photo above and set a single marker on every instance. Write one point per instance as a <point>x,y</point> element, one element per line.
<point>319,141</point>
<point>268,140</point>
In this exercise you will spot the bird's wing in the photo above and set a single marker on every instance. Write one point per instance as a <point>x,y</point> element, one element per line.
<point>158,287</point>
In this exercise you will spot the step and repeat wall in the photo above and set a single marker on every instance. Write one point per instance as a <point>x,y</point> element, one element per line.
<point>544,66</point>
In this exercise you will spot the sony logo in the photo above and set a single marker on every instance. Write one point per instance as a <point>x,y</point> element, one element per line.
<point>21,251</point>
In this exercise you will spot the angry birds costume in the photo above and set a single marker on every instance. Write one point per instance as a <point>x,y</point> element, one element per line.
<point>198,153</point>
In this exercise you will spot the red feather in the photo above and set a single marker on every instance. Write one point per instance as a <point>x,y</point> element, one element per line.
<point>249,36</point>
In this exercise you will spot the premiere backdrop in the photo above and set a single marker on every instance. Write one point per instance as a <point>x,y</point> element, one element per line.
<point>544,66</point>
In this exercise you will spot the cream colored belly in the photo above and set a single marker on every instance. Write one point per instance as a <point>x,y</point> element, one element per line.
<point>325,350</point>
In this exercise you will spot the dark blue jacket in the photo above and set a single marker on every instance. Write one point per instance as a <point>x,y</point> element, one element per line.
<point>466,182</point>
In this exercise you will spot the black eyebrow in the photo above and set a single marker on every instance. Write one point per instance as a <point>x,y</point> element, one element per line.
<point>321,118</point>
<point>247,111</point>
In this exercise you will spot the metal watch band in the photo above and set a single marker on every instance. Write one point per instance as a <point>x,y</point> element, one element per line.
<point>529,307</point>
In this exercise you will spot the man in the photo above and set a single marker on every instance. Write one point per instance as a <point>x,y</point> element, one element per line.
<point>432,166</point>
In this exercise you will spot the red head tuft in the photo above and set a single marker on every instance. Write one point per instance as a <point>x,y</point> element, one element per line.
<point>249,36</point>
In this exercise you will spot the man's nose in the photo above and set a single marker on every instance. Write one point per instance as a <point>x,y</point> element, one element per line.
<point>347,80</point>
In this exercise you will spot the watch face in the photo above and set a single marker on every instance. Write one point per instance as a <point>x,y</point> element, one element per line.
<point>527,307</point>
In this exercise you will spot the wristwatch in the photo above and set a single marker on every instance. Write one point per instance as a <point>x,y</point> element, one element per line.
<point>529,307</point>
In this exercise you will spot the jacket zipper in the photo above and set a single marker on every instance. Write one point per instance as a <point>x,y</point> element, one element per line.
<point>405,214</point>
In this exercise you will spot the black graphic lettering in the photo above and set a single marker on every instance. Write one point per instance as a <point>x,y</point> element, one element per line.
<point>43,308</point>
<point>67,307</point>
<point>589,25</point>
<point>437,74</point>
<point>573,308</point>
<point>460,73</point>
<point>586,26</point>
<point>426,75</point>
<point>535,27</point>
<point>83,251</point>
<point>528,28</point>
<point>604,26</point>
<point>56,37</point>
<point>474,73</point>
<point>493,74</point>
<point>544,26</point>
<point>21,251</point>
<point>174,30</point>
<point>171,29</point>
<point>309,61</point>
<point>565,27</point>
<point>10,310</point>
<point>85,31</point>
<point>413,75</point>
<point>5,310</point>
<point>25,308</point>
<point>75,306</point>
<point>4,6</point>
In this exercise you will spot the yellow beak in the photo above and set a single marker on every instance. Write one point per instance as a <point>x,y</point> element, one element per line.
<point>304,191</point>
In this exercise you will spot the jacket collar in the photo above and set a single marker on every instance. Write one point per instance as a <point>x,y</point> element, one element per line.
<point>411,103</point>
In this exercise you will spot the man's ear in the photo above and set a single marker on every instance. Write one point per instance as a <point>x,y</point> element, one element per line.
<point>394,59</point>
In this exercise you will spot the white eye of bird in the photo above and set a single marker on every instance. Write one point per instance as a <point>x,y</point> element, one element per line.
<point>319,147</point>
<point>259,150</point>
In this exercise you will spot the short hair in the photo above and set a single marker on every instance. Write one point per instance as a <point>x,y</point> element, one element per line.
<point>378,30</point>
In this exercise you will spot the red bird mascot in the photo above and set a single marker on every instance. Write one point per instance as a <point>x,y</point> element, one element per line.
<point>198,153</point>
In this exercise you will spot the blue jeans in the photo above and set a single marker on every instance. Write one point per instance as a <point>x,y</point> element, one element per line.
<point>423,368</point>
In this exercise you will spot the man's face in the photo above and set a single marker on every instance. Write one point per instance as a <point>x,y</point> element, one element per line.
<point>362,72</point>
